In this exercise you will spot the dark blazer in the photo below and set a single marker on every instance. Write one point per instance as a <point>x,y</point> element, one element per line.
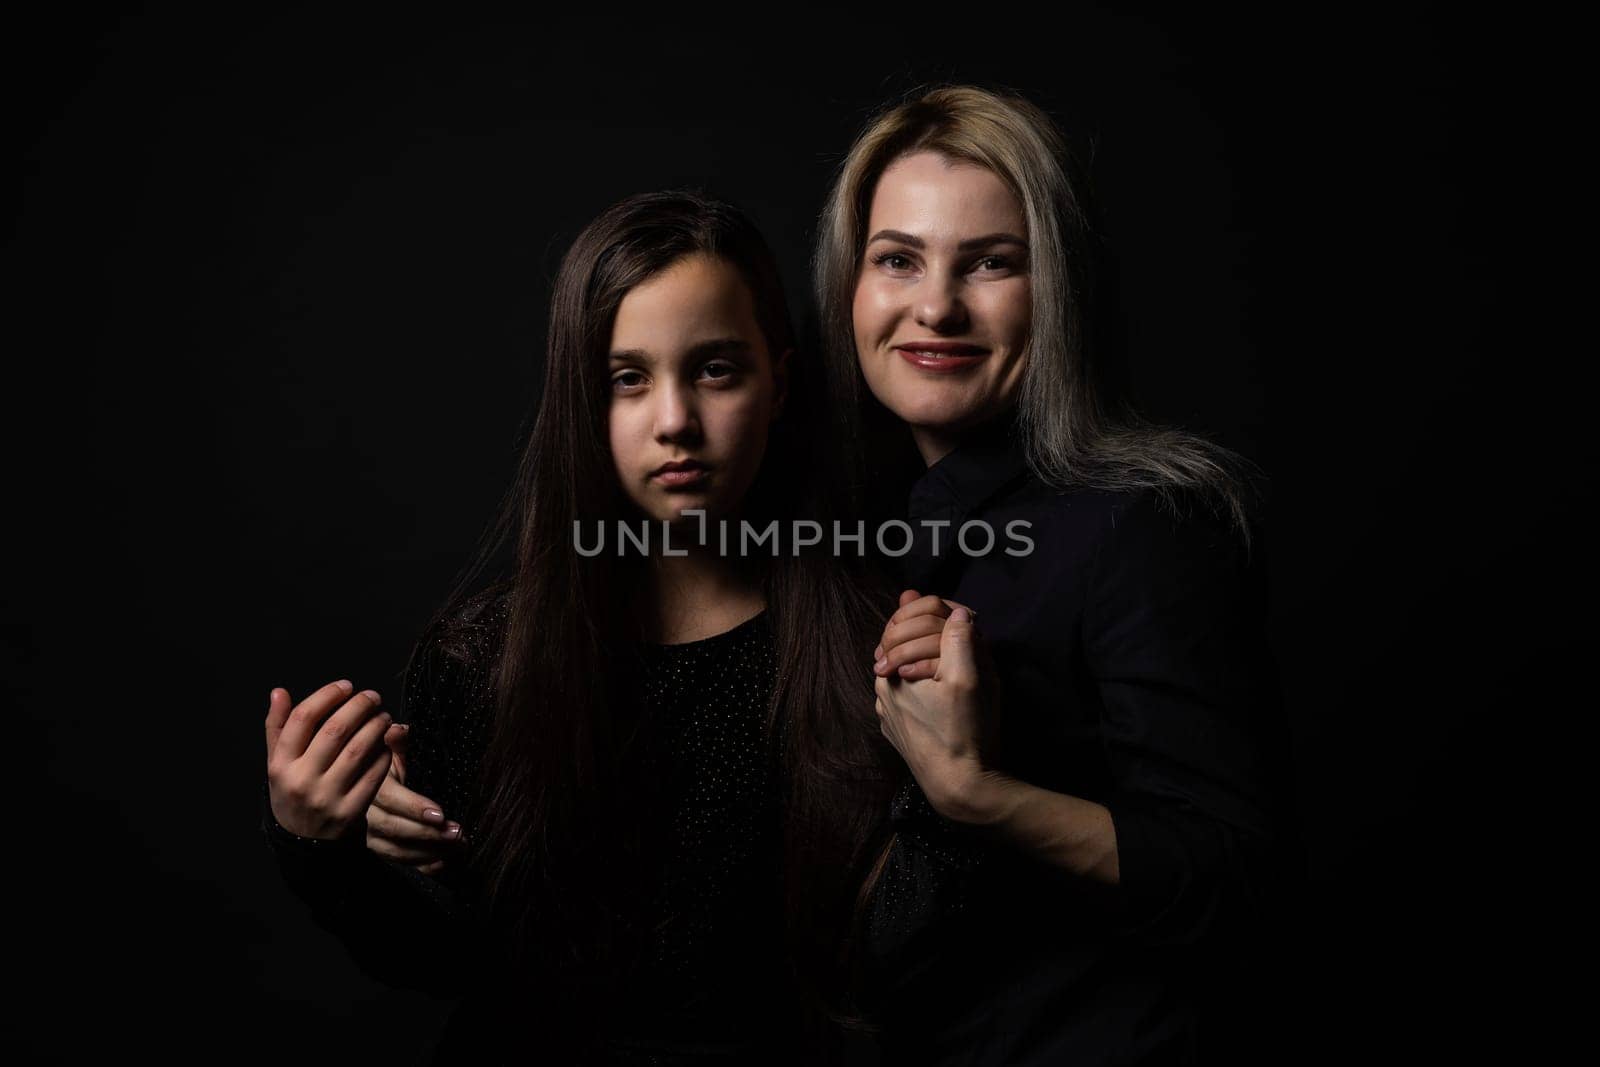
<point>1131,652</point>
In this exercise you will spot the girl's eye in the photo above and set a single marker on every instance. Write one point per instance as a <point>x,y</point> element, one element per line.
<point>993,263</point>
<point>627,381</point>
<point>718,372</point>
<point>892,260</point>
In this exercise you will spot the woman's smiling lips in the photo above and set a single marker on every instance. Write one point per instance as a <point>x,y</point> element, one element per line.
<point>681,473</point>
<point>941,356</point>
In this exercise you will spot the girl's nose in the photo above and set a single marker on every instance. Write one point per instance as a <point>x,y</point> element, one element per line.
<point>677,415</point>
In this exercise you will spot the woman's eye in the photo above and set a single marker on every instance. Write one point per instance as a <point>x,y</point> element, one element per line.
<point>718,371</point>
<point>627,380</point>
<point>893,260</point>
<point>993,263</point>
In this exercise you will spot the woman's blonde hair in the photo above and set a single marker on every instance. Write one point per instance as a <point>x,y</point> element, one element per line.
<point>1076,427</point>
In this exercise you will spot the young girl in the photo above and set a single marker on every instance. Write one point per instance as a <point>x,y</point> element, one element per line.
<point>667,760</point>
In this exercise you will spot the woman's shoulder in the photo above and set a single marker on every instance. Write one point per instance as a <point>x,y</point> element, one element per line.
<point>1110,518</point>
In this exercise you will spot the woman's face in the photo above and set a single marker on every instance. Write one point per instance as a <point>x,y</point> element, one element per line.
<point>693,390</point>
<point>942,305</point>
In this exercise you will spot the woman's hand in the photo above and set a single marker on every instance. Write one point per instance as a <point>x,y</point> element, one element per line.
<point>937,725</point>
<point>325,758</point>
<point>910,645</point>
<point>405,826</point>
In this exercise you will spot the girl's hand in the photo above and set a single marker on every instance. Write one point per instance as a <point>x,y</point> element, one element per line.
<point>405,826</point>
<point>325,758</point>
<point>910,645</point>
<point>936,725</point>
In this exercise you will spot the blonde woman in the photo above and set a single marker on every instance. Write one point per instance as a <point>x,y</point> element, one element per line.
<point>1092,814</point>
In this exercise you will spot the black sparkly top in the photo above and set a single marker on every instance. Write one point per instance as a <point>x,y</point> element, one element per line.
<point>712,968</point>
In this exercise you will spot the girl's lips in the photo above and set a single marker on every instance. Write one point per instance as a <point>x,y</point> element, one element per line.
<point>679,478</point>
<point>942,358</point>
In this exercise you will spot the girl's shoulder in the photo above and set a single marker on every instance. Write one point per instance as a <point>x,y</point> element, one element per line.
<point>471,630</point>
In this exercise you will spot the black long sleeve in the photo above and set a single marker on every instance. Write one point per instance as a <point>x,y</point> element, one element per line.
<point>1174,640</point>
<point>401,927</point>
<point>1128,634</point>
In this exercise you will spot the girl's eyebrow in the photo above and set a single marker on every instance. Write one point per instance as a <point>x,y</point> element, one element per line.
<point>720,346</point>
<point>968,245</point>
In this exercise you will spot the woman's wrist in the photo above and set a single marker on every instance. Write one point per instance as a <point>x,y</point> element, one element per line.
<point>971,795</point>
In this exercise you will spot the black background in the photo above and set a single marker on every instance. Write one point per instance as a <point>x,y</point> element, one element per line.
<point>279,285</point>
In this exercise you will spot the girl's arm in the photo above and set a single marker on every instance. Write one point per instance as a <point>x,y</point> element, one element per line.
<point>401,927</point>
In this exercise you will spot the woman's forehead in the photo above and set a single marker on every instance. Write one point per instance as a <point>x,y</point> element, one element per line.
<point>936,199</point>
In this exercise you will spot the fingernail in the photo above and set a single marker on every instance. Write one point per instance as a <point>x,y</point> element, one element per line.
<point>272,696</point>
<point>881,664</point>
<point>433,814</point>
<point>960,615</point>
<point>453,830</point>
<point>344,683</point>
<point>877,653</point>
<point>373,695</point>
<point>405,727</point>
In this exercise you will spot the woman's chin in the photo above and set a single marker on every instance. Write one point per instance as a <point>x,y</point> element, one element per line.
<point>936,415</point>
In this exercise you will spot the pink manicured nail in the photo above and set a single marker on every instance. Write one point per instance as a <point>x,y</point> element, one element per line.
<point>453,831</point>
<point>433,814</point>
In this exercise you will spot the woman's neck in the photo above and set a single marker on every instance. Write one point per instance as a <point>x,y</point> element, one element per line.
<point>699,595</point>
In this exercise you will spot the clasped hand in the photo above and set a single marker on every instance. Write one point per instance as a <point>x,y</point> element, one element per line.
<point>334,757</point>
<point>932,702</point>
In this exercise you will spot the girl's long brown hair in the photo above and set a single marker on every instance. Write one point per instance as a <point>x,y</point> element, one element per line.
<point>558,826</point>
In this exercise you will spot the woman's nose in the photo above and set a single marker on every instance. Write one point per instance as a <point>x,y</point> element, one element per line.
<point>938,304</point>
<point>677,415</point>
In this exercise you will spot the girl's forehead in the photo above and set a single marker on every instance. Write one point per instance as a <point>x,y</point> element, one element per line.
<point>694,301</point>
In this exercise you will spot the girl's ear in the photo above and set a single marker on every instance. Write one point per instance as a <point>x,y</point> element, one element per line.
<point>780,377</point>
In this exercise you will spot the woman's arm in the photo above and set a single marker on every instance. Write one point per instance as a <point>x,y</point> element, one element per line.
<point>1173,636</point>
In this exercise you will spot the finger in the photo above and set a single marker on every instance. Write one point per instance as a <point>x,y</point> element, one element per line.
<point>307,716</point>
<point>342,725</point>
<point>403,832</point>
<point>406,853</point>
<point>910,652</point>
<point>396,799</point>
<point>364,788</point>
<point>278,708</point>
<point>911,606</point>
<point>899,633</point>
<point>363,747</point>
<point>957,661</point>
<point>398,738</point>
<point>916,672</point>
<point>922,605</point>
<point>432,868</point>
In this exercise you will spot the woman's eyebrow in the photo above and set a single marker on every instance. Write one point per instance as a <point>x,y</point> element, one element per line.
<point>970,243</point>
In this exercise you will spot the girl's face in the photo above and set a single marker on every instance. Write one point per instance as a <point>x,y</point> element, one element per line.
<point>693,390</point>
<point>943,306</point>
